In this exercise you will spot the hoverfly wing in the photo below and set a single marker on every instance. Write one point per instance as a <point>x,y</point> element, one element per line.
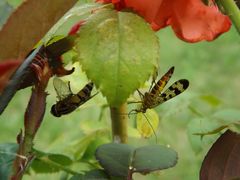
<point>62,89</point>
<point>158,87</point>
<point>175,89</point>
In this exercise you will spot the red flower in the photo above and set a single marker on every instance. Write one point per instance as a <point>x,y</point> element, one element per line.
<point>191,20</point>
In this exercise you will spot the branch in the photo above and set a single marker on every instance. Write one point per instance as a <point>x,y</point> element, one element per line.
<point>32,119</point>
<point>119,123</point>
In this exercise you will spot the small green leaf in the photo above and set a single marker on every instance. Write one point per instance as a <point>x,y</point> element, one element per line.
<point>115,158</point>
<point>147,123</point>
<point>120,160</point>
<point>91,149</point>
<point>119,51</point>
<point>79,149</point>
<point>212,100</point>
<point>77,177</point>
<point>49,163</point>
<point>154,157</point>
<point>217,122</point>
<point>7,155</point>
<point>95,174</point>
<point>201,126</point>
<point>214,131</point>
<point>228,115</point>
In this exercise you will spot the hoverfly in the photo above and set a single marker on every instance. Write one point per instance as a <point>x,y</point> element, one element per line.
<point>68,101</point>
<point>155,96</point>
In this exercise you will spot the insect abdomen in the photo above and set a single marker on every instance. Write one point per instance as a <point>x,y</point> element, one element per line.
<point>85,93</point>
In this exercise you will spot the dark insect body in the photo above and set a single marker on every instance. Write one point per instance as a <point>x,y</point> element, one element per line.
<point>155,97</point>
<point>68,101</point>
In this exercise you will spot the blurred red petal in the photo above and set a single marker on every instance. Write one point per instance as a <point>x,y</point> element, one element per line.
<point>119,4</point>
<point>8,65</point>
<point>6,70</point>
<point>76,27</point>
<point>191,20</point>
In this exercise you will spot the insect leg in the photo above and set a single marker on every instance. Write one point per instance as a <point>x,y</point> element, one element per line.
<point>133,111</point>
<point>140,94</point>
<point>93,95</point>
<point>132,102</point>
<point>154,77</point>
<point>151,128</point>
<point>69,87</point>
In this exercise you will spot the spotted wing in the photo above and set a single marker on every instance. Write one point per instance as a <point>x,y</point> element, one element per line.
<point>158,87</point>
<point>175,89</point>
<point>62,89</point>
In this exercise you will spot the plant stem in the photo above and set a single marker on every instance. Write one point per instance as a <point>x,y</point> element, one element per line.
<point>232,11</point>
<point>119,123</point>
<point>33,118</point>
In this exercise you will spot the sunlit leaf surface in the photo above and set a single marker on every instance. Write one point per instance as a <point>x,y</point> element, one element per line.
<point>121,159</point>
<point>118,51</point>
<point>147,123</point>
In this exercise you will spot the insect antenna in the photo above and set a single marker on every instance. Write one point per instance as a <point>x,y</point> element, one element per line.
<point>151,128</point>
<point>133,102</point>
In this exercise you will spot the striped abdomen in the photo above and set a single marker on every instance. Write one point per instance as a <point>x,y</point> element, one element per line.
<point>72,102</point>
<point>158,87</point>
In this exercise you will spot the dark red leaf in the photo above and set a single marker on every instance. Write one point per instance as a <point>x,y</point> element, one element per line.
<point>223,159</point>
<point>28,24</point>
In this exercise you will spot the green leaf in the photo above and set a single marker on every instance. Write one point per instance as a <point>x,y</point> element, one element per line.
<point>7,155</point>
<point>115,158</point>
<point>49,163</point>
<point>228,116</point>
<point>216,123</point>
<point>87,144</point>
<point>121,159</point>
<point>91,149</point>
<point>212,100</point>
<point>118,51</point>
<point>95,174</point>
<point>153,157</point>
<point>147,123</point>
<point>201,126</point>
<point>77,177</point>
<point>78,12</point>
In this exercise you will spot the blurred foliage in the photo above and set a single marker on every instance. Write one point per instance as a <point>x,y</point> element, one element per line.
<point>213,71</point>
<point>122,160</point>
<point>14,3</point>
<point>147,123</point>
<point>5,11</point>
<point>6,8</point>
